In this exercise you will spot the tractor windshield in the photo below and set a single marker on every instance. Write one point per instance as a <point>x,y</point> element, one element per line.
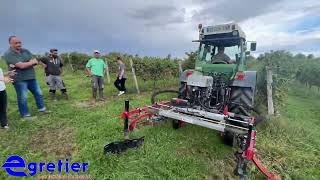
<point>208,53</point>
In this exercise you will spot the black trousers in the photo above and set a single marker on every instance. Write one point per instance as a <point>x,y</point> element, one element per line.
<point>120,84</point>
<point>3,108</point>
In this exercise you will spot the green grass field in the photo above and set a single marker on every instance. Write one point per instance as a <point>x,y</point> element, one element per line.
<point>77,129</point>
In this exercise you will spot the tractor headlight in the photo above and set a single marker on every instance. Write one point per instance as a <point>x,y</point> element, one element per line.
<point>235,33</point>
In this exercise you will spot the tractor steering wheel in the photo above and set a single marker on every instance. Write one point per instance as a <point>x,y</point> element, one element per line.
<point>219,62</point>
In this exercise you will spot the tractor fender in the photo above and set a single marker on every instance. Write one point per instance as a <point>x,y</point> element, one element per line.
<point>250,80</point>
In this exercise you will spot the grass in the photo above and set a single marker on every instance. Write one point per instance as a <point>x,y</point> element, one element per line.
<point>78,130</point>
<point>291,143</point>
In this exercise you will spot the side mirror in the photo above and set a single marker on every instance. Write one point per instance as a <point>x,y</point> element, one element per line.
<point>253,46</point>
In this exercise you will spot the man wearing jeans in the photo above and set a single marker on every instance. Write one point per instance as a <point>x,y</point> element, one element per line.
<point>21,60</point>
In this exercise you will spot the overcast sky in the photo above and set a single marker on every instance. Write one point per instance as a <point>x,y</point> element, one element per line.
<point>156,28</point>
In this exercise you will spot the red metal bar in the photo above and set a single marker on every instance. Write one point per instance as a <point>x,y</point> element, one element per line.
<point>226,110</point>
<point>144,109</point>
<point>134,121</point>
<point>249,154</point>
<point>262,169</point>
<point>133,112</point>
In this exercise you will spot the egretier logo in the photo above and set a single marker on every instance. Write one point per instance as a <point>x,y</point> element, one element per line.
<point>16,166</point>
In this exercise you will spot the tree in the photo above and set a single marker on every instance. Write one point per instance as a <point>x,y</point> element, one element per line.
<point>310,56</point>
<point>190,60</point>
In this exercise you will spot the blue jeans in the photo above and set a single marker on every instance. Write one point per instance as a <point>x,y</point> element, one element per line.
<point>22,88</point>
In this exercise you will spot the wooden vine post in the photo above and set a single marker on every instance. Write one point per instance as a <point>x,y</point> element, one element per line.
<point>269,90</point>
<point>180,67</point>
<point>107,71</point>
<point>70,62</point>
<point>134,76</point>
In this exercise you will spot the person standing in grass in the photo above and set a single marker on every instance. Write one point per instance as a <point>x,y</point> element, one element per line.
<point>22,61</point>
<point>4,78</point>
<point>121,77</point>
<point>96,67</point>
<point>53,69</point>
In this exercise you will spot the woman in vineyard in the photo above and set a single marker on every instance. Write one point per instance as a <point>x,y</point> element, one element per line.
<point>121,77</point>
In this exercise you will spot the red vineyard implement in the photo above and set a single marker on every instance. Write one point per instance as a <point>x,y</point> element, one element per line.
<point>180,115</point>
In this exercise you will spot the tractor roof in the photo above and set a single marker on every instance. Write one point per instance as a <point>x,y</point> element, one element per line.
<point>222,35</point>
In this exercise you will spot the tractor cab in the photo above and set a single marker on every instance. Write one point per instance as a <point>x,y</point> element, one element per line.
<point>222,49</point>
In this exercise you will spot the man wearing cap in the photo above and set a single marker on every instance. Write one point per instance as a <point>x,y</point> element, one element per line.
<point>21,60</point>
<point>53,70</point>
<point>96,68</point>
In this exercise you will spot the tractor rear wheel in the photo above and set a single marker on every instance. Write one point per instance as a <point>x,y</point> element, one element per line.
<point>241,102</point>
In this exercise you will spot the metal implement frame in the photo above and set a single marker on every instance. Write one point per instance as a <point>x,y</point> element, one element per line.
<point>215,121</point>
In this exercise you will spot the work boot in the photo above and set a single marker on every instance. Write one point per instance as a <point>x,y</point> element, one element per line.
<point>53,96</point>
<point>65,96</point>
<point>94,94</point>
<point>102,98</point>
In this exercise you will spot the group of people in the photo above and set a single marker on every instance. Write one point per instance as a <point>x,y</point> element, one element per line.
<point>96,68</point>
<point>22,75</point>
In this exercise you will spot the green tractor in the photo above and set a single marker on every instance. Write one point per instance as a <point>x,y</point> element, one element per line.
<point>218,94</point>
<point>219,83</point>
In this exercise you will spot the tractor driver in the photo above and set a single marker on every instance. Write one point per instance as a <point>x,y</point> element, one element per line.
<point>221,56</point>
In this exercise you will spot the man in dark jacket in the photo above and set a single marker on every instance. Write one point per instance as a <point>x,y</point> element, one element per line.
<point>53,70</point>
